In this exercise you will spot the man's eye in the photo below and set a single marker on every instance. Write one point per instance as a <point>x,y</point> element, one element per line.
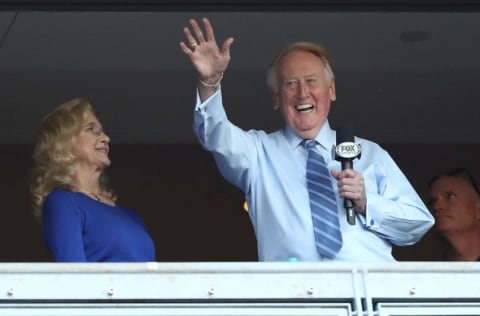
<point>312,82</point>
<point>451,195</point>
<point>291,84</point>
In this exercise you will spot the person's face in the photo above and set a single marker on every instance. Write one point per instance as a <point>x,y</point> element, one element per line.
<point>304,92</point>
<point>90,145</point>
<point>454,204</point>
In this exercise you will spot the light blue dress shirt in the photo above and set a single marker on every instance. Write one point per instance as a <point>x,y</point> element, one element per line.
<point>270,169</point>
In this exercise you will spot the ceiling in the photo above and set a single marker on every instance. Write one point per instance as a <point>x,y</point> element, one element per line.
<point>402,75</point>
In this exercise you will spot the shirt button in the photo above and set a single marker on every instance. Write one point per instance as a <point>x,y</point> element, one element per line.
<point>372,222</point>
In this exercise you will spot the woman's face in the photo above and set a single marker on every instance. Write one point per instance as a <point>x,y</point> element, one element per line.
<point>90,145</point>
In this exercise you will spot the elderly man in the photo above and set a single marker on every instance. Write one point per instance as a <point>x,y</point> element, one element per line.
<point>294,188</point>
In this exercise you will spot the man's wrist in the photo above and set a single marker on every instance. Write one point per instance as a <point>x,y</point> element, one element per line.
<point>213,85</point>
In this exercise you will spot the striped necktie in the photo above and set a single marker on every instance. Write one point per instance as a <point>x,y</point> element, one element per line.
<point>323,205</point>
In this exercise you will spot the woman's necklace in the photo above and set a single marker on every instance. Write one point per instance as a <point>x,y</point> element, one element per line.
<point>96,196</point>
<point>100,197</point>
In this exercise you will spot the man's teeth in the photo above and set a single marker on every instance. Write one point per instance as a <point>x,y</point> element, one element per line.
<point>304,107</point>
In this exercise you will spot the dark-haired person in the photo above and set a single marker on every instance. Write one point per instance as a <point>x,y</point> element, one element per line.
<point>293,218</point>
<point>454,200</point>
<point>81,219</point>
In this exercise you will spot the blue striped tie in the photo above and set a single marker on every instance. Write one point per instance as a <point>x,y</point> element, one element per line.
<point>323,204</point>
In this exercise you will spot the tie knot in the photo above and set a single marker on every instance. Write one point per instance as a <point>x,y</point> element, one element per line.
<point>309,143</point>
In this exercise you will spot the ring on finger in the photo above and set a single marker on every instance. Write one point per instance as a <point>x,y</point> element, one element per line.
<point>193,45</point>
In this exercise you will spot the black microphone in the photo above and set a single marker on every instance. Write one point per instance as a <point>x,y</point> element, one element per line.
<point>345,151</point>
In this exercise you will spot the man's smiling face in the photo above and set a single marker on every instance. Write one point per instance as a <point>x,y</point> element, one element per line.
<point>304,92</point>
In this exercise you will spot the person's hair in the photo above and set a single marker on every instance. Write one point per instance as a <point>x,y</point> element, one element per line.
<point>310,47</point>
<point>462,173</point>
<point>54,165</point>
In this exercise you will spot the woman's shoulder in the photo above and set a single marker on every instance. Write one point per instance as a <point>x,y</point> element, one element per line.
<point>60,196</point>
<point>60,193</point>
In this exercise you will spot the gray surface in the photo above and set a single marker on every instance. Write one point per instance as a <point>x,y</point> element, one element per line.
<point>401,76</point>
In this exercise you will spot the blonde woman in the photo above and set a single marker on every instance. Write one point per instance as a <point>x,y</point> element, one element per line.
<point>71,194</point>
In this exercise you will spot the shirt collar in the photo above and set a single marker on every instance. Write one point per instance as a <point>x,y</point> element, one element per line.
<point>326,137</point>
<point>292,138</point>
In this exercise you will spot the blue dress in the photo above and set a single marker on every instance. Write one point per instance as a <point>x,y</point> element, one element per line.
<point>77,228</point>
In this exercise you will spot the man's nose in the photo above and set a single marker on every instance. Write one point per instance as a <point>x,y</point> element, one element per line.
<point>438,204</point>
<point>303,90</point>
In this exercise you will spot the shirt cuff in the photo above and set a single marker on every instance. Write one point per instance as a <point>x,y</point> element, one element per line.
<point>373,217</point>
<point>213,99</point>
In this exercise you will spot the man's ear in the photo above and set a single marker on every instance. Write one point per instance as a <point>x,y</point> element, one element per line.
<point>276,100</point>
<point>332,91</point>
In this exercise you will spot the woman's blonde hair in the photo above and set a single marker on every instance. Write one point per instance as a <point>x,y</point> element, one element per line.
<point>53,164</point>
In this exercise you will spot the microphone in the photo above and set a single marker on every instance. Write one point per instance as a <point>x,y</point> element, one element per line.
<point>345,151</point>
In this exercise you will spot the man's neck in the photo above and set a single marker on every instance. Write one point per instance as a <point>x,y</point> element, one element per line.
<point>464,247</point>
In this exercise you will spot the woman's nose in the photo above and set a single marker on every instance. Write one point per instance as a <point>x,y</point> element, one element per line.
<point>104,137</point>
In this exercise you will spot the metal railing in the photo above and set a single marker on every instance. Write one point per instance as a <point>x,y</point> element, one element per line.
<point>240,288</point>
